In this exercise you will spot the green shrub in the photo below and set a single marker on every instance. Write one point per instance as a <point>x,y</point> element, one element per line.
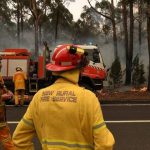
<point>115,73</point>
<point>137,72</point>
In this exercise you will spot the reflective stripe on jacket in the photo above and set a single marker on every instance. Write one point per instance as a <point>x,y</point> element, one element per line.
<point>64,116</point>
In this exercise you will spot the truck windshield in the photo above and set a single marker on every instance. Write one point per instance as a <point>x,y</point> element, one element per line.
<point>93,55</point>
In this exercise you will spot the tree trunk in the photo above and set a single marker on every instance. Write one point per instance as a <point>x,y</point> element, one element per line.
<point>114,30</point>
<point>140,23</point>
<point>115,39</point>
<point>124,13</point>
<point>18,23</point>
<point>21,21</point>
<point>40,34</point>
<point>112,19</point>
<point>57,23</point>
<point>37,16</point>
<point>36,53</point>
<point>148,39</point>
<point>130,50</point>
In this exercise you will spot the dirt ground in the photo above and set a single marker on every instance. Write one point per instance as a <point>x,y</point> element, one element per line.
<point>125,93</point>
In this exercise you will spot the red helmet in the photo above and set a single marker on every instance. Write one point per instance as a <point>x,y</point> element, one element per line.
<point>66,57</point>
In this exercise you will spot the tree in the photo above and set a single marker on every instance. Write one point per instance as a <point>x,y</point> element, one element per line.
<point>116,73</point>
<point>36,10</point>
<point>87,27</point>
<point>21,15</point>
<point>124,14</point>
<point>137,72</point>
<point>18,21</point>
<point>5,13</point>
<point>130,50</point>
<point>61,18</point>
<point>106,31</point>
<point>148,40</point>
<point>7,27</point>
<point>110,15</point>
<point>140,11</point>
<point>128,37</point>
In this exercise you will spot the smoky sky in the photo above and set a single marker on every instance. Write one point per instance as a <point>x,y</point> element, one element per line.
<point>105,44</point>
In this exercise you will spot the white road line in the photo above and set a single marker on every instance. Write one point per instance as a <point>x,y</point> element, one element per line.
<point>12,122</point>
<point>107,105</point>
<point>125,105</point>
<point>14,105</point>
<point>115,121</point>
<point>129,121</point>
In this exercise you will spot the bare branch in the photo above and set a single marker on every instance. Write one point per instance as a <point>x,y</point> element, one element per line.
<point>108,17</point>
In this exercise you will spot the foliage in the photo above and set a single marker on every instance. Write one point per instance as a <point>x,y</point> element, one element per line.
<point>106,29</point>
<point>137,72</point>
<point>115,73</point>
<point>88,26</point>
<point>5,13</point>
<point>104,4</point>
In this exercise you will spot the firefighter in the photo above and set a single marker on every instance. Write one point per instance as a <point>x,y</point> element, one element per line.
<point>63,115</point>
<point>5,137</point>
<point>19,83</point>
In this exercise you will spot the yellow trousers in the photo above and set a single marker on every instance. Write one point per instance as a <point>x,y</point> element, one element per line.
<point>19,97</point>
<point>5,138</point>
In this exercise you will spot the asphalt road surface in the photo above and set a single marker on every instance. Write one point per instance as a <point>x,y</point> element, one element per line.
<point>130,124</point>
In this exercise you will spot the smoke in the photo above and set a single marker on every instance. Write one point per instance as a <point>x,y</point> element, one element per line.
<point>6,39</point>
<point>9,40</point>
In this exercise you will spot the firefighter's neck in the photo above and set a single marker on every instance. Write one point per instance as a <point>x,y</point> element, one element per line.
<point>71,75</point>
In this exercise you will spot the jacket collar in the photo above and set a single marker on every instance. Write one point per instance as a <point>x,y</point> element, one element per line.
<point>70,76</point>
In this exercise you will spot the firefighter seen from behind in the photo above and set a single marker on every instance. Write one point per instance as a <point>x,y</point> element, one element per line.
<point>19,83</point>
<point>64,115</point>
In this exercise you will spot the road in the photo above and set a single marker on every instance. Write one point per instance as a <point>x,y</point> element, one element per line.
<point>130,124</point>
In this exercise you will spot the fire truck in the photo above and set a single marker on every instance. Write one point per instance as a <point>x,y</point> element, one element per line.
<point>92,76</point>
<point>94,73</point>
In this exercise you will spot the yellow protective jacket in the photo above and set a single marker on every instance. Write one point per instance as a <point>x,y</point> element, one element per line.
<point>64,116</point>
<point>2,106</point>
<point>1,79</point>
<point>19,80</point>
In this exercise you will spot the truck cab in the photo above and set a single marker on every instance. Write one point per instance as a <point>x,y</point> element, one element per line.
<point>94,73</point>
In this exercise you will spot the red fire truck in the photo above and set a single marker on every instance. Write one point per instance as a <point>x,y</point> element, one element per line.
<point>94,73</point>
<point>92,76</point>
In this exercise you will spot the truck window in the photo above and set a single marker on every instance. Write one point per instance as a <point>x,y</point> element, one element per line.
<point>93,55</point>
